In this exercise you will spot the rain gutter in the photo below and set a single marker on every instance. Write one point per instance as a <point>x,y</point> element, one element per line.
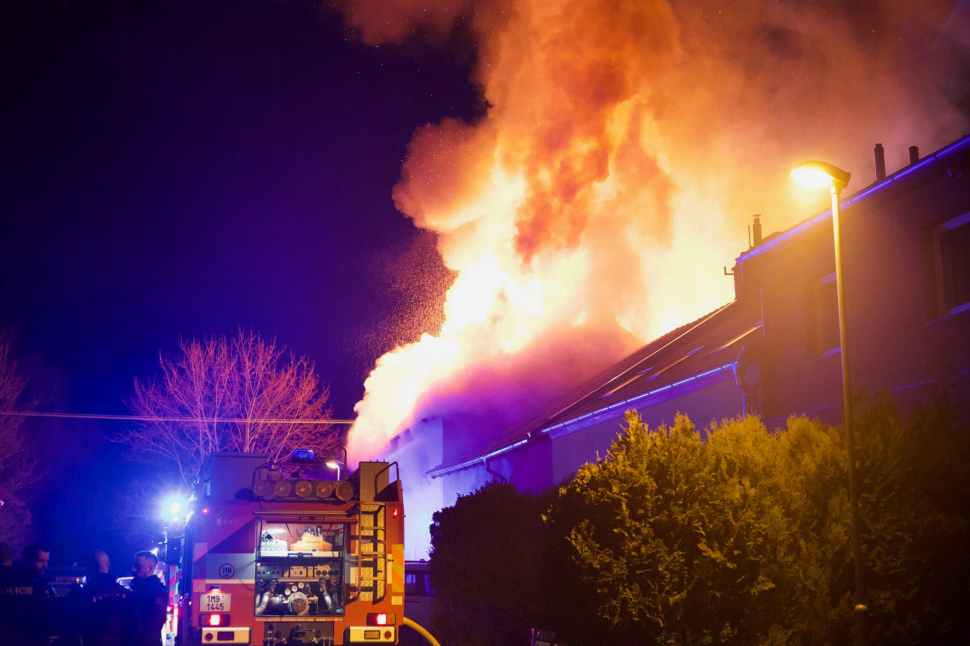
<point>624,404</point>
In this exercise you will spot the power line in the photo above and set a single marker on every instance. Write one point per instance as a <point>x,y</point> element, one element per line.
<point>148,418</point>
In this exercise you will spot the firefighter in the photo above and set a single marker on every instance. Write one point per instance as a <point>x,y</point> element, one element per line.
<point>25,599</point>
<point>149,600</point>
<point>100,611</point>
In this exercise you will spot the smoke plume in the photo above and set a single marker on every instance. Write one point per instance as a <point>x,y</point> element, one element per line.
<point>624,148</point>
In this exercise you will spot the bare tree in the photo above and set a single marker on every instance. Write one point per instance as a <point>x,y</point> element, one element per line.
<point>18,470</point>
<point>219,394</point>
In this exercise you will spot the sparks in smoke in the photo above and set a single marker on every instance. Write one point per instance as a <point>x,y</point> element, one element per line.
<point>624,148</point>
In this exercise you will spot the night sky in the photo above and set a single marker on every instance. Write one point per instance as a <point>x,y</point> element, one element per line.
<point>181,169</point>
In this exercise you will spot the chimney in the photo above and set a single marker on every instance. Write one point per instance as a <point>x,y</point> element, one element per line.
<point>913,154</point>
<point>880,163</point>
<point>756,231</point>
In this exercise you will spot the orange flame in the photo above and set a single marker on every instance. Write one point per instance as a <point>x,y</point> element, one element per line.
<point>625,147</point>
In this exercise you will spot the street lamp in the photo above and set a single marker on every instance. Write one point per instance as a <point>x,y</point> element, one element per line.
<point>333,463</point>
<point>818,174</point>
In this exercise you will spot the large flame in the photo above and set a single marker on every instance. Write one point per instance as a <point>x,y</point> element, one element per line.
<point>625,147</point>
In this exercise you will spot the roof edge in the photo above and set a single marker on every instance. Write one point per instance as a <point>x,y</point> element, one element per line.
<point>650,394</point>
<point>903,174</point>
<point>439,471</point>
<point>443,470</point>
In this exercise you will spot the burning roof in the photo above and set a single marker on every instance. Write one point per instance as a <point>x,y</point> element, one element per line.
<point>710,343</point>
<point>620,147</point>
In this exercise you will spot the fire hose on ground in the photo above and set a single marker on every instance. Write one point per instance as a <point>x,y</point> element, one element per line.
<point>418,628</point>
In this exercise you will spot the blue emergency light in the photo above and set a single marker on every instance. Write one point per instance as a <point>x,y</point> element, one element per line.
<point>302,455</point>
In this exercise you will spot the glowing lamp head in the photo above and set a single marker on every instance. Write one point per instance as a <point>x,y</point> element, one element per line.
<point>333,464</point>
<point>819,174</point>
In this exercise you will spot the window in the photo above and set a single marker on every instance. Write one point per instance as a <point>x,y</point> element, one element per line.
<point>417,584</point>
<point>951,254</point>
<point>822,314</point>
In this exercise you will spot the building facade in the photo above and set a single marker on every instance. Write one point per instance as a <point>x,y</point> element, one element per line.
<point>774,351</point>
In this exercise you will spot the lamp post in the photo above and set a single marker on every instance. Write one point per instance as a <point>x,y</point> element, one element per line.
<point>334,463</point>
<point>817,174</point>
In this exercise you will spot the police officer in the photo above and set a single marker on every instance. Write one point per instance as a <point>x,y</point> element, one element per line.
<point>25,599</point>
<point>149,599</point>
<point>100,611</point>
<point>8,582</point>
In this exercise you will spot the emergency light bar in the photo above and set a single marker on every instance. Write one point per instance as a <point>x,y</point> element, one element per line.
<point>302,455</point>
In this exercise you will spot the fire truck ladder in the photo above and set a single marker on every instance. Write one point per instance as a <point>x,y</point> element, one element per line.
<point>372,555</point>
<point>372,532</point>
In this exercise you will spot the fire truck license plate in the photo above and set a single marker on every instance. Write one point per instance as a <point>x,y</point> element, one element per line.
<point>216,602</point>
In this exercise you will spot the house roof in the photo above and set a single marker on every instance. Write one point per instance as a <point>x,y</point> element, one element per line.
<point>712,341</point>
<point>952,153</point>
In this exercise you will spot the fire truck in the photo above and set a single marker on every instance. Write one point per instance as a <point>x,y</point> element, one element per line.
<point>274,555</point>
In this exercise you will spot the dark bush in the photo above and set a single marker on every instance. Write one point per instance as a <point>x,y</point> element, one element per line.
<point>740,540</point>
<point>486,564</point>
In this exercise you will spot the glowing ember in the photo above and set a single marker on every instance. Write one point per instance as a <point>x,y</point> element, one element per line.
<point>625,147</point>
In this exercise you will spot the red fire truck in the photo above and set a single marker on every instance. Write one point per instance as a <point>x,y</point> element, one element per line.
<point>274,556</point>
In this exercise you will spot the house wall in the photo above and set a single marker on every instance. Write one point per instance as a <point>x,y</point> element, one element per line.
<point>706,405</point>
<point>529,467</point>
<point>894,342</point>
<point>898,344</point>
<point>416,450</point>
<point>537,466</point>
